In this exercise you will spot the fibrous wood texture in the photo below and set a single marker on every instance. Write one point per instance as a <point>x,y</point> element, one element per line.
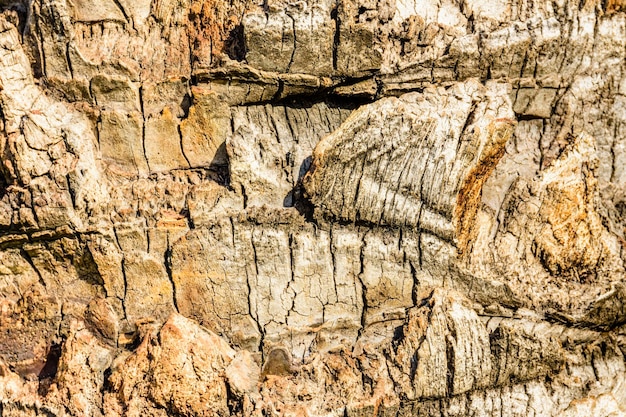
<point>312,208</point>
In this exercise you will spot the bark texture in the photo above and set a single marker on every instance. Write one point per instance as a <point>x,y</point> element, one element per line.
<point>312,208</point>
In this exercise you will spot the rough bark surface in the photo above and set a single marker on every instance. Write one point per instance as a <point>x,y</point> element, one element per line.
<point>312,208</point>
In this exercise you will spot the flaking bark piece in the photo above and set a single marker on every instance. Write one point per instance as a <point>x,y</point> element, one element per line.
<point>417,161</point>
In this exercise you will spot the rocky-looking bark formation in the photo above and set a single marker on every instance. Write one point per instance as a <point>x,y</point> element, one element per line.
<point>330,207</point>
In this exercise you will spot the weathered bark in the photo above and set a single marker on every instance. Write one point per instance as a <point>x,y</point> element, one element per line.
<point>347,207</point>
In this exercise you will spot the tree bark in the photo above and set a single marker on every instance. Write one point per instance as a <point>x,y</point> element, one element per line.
<point>332,207</point>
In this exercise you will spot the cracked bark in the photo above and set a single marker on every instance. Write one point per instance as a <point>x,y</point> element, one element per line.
<point>326,208</point>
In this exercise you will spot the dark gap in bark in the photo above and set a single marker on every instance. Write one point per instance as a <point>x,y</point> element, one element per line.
<point>86,267</point>
<point>302,204</point>
<point>220,165</point>
<point>49,371</point>
<point>398,337</point>
<point>185,104</point>
<point>235,44</point>
<point>21,15</point>
<point>235,404</point>
<point>107,385</point>
<point>524,117</point>
<point>334,15</point>
<point>305,101</point>
<point>3,175</point>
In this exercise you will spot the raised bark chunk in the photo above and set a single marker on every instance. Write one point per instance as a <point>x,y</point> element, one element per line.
<point>416,161</point>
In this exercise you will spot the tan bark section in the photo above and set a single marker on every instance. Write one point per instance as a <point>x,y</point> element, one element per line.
<point>337,208</point>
